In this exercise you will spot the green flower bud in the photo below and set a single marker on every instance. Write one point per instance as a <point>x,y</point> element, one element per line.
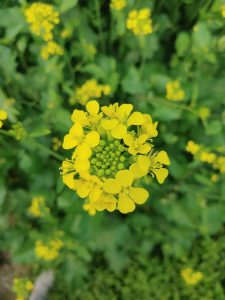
<point>102,143</point>
<point>122,158</point>
<point>108,172</point>
<point>100,172</point>
<point>121,166</point>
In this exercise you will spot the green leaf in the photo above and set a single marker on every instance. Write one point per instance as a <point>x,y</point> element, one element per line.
<point>182,43</point>
<point>67,4</point>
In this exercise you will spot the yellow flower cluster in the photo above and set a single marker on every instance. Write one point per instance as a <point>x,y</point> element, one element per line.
<point>200,153</point>
<point>49,251</point>
<point>174,91</point>
<point>3,116</point>
<point>223,10</point>
<point>51,48</point>
<point>191,277</point>
<point>140,22</point>
<point>118,4</point>
<point>22,288</point>
<point>113,151</point>
<point>42,18</point>
<point>38,208</point>
<point>91,89</point>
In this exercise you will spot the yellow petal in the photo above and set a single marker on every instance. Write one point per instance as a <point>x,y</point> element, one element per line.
<point>119,131</point>
<point>124,111</point>
<point>125,204</point>
<point>92,107</point>
<point>3,114</point>
<point>162,157</point>
<point>139,195</point>
<point>69,142</point>
<point>161,174</point>
<point>83,189</point>
<point>92,139</point>
<point>143,163</point>
<point>142,138</point>
<point>95,193</point>
<point>111,204</point>
<point>125,178</point>
<point>136,118</point>
<point>82,165</point>
<point>136,171</point>
<point>77,130</point>
<point>128,139</point>
<point>79,116</point>
<point>1,124</point>
<point>109,124</point>
<point>144,148</point>
<point>68,179</point>
<point>111,186</point>
<point>83,151</point>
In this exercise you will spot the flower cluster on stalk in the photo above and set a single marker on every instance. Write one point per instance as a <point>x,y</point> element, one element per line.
<point>111,151</point>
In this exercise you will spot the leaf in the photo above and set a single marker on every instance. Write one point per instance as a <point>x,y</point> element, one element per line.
<point>182,43</point>
<point>67,4</point>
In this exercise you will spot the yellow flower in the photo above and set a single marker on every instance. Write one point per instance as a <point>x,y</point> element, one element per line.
<point>89,90</point>
<point>22,287</point>
<point>192,147</point>
<point>140,22</point>
<point>3,116</point>
<point>51,48</point>
<point>42,19</point>
<point>219,164</point>
<point>118,4</point>
<point>223,10</point>
<point>191,277</point>
<point>48,251</point>
<point>174,91</point>
<point>38,208</point>
<point>207,157</point>
<point>106,165</point>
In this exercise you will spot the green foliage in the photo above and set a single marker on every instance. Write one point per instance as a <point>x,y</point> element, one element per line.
<point>112,256</point>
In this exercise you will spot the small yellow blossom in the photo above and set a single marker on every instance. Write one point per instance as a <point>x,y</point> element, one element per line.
<point>219,164</point>
<point>66,33</point>
<point>140,22</point>
<point>51,48</point>
<point>223,10</point>
<point>89,90</point>
<point>38,208</point>
<point>118,4</point>
<point>42,18</point>
<point>214,178</point>
<point>48,251</point>
<point>191,277</point>
<point>174,91</point>
<point>204,113</point>
<point>192,147</point>
<point>22,287</point>
<point>3,116</point>
<point>56,143</point>
<point>112,153</point>
<point>207,157</point>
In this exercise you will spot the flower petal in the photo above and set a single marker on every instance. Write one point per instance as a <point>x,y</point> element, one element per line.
<point>161,174</point>
<point>125,204</point>
<point>92,107</point>
<point>143,163</point>
<point>92,139</point>
<point>136,118</point>
<point>77,130</point>
<point>119,131</point>
<point>144,148</point>
<point>83,151</point>
<point>69,142</point>
<point>3,114</point>
<point>139,195</point>
<point>163,158</point>
<point>125,177</point>
<point>83,189</point>
<point>124,111</point>
<point>128,139</point>
<point>82,165</point>
<point>109,124</point>
<point>68,179</point>
<point>111,186</point>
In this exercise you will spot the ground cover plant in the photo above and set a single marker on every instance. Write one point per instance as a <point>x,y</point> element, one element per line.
<point>112,150</point>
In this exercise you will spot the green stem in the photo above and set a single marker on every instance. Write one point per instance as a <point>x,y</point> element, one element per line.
<point>99,23</point>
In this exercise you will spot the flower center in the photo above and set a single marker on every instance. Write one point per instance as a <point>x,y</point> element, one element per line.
<point>108,158</point>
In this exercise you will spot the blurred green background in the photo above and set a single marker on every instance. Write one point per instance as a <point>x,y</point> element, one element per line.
<point>173,246</point>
